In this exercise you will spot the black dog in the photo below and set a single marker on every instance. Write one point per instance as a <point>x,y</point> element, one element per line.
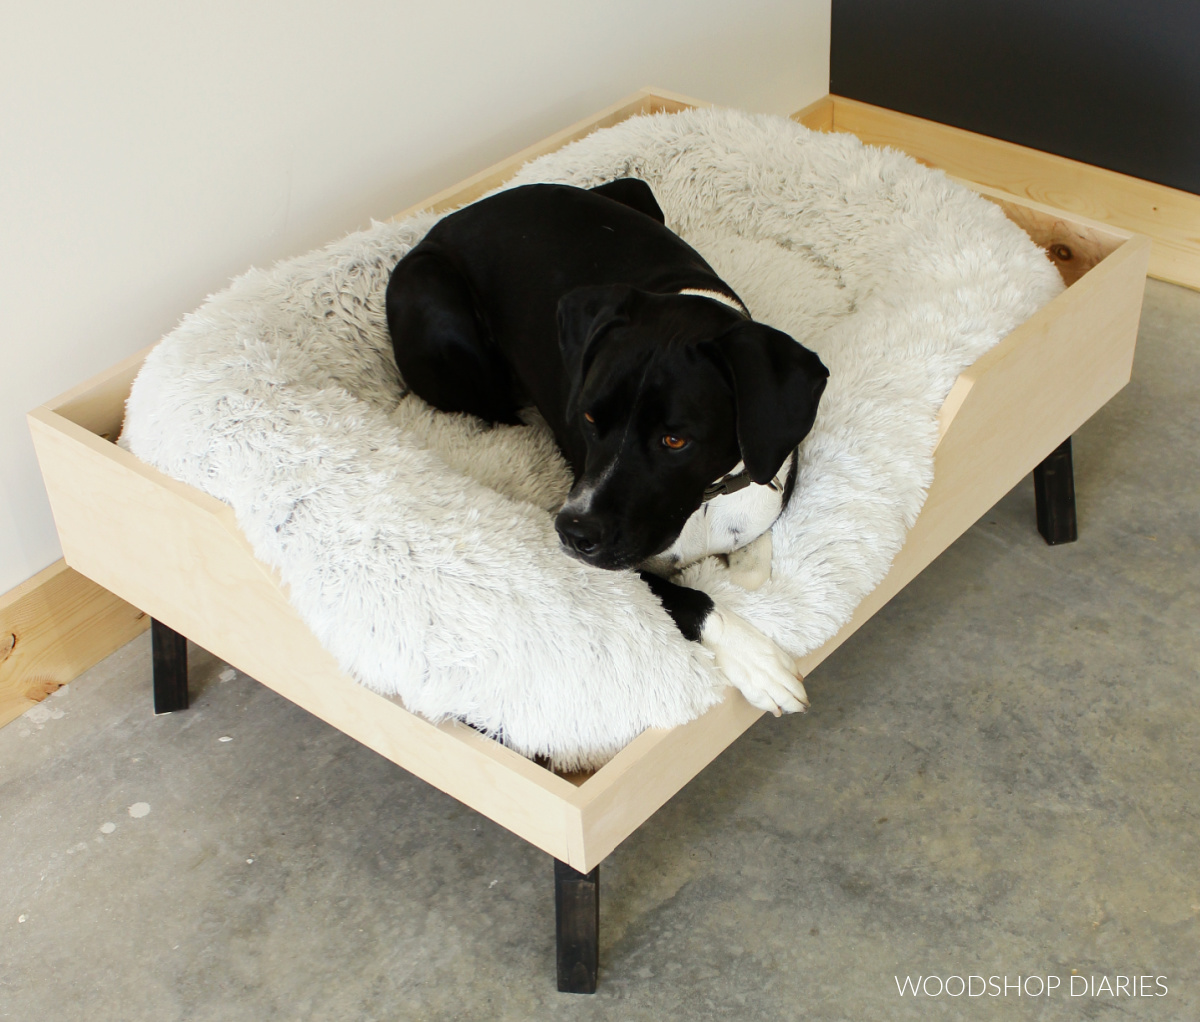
<point>655,381</point>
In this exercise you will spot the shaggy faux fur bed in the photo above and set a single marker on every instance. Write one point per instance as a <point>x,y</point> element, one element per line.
<point>419,547</point>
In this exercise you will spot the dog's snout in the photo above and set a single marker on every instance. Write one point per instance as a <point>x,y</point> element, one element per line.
<point>580,533</point>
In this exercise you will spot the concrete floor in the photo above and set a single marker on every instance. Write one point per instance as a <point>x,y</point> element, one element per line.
<point>999,777</point>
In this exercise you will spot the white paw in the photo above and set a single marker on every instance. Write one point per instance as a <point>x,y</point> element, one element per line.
<point>750,566</point>
<point>758,668</point>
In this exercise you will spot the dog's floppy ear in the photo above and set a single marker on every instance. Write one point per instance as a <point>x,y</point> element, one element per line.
<point>634,193</point>
<point>584,314</point>
<point>777,383</point>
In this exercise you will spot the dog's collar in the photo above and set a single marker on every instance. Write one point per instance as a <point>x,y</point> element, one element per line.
<point>736,480</point>
<point>739,478</point>
<point>716,296</point>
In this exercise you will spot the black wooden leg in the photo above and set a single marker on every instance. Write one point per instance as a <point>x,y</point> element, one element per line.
<point>577,928</point>
<point>169,651</point>
<point>1054,494</point>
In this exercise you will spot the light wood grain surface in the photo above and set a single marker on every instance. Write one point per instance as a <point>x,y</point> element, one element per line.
<point>53,627</point>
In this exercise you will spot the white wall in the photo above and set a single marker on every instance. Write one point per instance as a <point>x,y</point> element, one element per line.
<point>150,151</point>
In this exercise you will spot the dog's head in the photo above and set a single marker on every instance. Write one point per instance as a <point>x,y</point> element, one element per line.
<point>667,393</point>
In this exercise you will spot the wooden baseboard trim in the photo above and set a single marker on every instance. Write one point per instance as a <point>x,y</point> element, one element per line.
<point>1169,216</point>
<point>53,627</point>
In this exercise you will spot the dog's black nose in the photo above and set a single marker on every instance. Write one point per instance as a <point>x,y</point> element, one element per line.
<point>579,533</point>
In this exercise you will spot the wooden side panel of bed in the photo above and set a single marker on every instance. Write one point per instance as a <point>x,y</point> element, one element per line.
<point>178,555</point>
<point>1170,216</point>
<point>1016,405</point>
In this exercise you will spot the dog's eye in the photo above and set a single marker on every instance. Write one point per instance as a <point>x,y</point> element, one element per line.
<point>588,416</point>
<point>676,443</point>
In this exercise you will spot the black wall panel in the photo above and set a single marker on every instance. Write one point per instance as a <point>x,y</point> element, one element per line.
<point>1110,82</point>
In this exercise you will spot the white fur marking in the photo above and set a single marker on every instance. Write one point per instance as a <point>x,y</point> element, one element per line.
<point>722,525</point>
<point>750,567</point>
<point>717,297</point>
<point>581,503</point>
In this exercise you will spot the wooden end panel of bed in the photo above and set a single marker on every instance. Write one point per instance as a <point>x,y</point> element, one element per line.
<point>177,554</point>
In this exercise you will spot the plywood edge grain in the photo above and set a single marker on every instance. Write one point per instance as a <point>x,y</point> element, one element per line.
<point>632,786</point>
<point>53,627</point>
<point>98,404</point>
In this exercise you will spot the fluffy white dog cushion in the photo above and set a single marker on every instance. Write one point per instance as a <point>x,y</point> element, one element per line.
<point>419,547</point>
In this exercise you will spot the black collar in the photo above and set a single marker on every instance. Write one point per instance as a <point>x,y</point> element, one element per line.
<point>735,481</point>
<point>732,483</point>
<point>727,484</point>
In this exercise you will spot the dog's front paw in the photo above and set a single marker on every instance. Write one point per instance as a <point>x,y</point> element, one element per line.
<point>755,665</point>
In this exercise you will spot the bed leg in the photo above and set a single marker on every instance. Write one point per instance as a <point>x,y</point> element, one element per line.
<point>1054,495</point>
<point>577,928</point>
<point>169,653</point>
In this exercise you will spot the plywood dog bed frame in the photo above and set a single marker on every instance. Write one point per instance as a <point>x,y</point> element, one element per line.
<point>178,554</point>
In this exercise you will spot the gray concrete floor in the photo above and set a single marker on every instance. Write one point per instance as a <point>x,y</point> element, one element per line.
<point>999,777</point>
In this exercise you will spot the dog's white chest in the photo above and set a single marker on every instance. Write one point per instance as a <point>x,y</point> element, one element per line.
<point>721,526</point>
